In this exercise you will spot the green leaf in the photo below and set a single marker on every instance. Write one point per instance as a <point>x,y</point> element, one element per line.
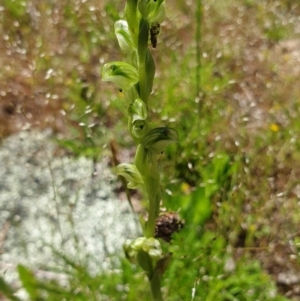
<point>143,8</point>
<point>143,39</point>
<point>131,16</point>
<point>152,159</point>
<point>122,74</point>
<point>150,71</point>
<point>131,174</point>
<point>158,139</point>
<point>162,264</point>
<point>199,207</point>
<point>7,291</point>
<point>124,37</point>
<point>29,282</point>
<point>145,262</point>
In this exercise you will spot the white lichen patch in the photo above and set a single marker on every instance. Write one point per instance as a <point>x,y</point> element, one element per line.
<point>48,201</point>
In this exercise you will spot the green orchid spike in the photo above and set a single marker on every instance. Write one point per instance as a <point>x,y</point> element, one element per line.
<point>158,139</point>
<point>141,25</point>
<point>122,74</point>
<point>124,37</point>
<point>131,174</point>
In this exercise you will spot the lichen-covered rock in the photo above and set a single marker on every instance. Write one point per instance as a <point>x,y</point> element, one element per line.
<point>63,203</point>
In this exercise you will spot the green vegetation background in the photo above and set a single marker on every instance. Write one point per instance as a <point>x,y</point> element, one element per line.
<point>233,177</point>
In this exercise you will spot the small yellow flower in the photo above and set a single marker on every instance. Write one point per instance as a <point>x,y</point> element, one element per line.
<point>274,127</point>
<point>185,188</point>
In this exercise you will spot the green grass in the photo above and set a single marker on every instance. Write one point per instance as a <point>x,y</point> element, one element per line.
<point>235,171</point>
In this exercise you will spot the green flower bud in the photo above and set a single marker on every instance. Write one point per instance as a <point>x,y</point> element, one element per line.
<point>124,37</point>
<point>122,74</point>
<point>138,110</point>
<point>132,247</point>
<point>138,114</point>
<point>156,11</point>
<point>158,139</point>
<point>139,129</point>
<point>130,253</point>
<point>142,246</point>
<point>138,243</point>
<point>153,11</point>
<point>131,174</point>
<point>152,247</point>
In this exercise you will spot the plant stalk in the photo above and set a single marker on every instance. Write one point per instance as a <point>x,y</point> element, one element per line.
<point>199,17</point>
<point>155,283</point>
<point>154,202</point>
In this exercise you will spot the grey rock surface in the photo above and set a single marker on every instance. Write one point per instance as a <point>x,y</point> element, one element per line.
<point>49,202</point>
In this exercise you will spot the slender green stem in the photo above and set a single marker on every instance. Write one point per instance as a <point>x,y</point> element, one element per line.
<point>155,283</point>
<point>199,17</point>
<point>154,194</point>
<point>152,186</point>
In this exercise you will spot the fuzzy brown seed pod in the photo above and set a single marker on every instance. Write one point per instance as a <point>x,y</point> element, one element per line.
<point>154,32</point>
<point>167,224</point>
